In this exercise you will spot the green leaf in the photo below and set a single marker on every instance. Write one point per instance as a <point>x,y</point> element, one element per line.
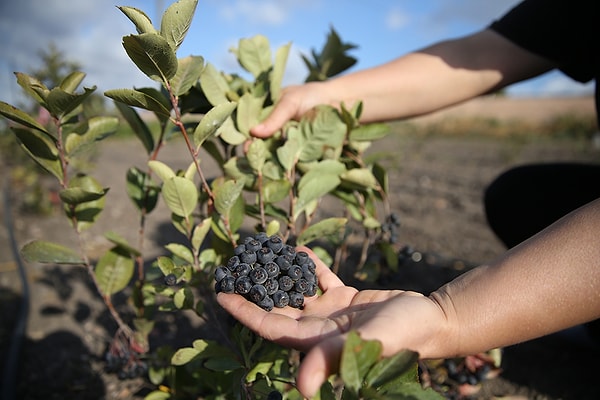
<point>324,228</point>
<point>358,356</point>
<point>327,133</point>
<point>289,153</point>
<point>391,368</point>
<point>199,233</point>
<point>137,125</point>
<point>317,182</point>
<point>214,85</point>
<point>77,195</point>
<point>141,190</point>
<point>166,265</point>
<point>114,271</point>
<point>212,121</point>
<point>257,155</point>
<point>98,128</point>
<point>142,22</point>
<point>41,147</point>
<point>85,213</point>
<point>278,72</point>
<point>33,87</point>
<point>158,394</point>
<point>14,114</point>
<point>189,71</point>
<point>122,243</point>
<point>136,98</point>
<point>369,132</point>
<point>161,169</point>
<point>230,134</point>
<point>274,191</point>
<point>363,178</point>
<point>184,355</point>
<point>225,196</point>
<point>181,195</point>
<point>181,251</point>
<point>254,54</point>
<point>184,298</point>
<point>153,55</point>
<point>72,81</point>
<point>248,112</point>
<point>50,253</point>
<point>381,175</point>
<point>176,21</point>
<point>61,103</point>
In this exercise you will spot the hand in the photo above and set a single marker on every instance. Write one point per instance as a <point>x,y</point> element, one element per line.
<point>295,101</point>
<point>399,319</point>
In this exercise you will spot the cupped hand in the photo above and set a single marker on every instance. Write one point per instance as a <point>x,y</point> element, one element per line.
<point>295,101</point>
<point>399,319</point>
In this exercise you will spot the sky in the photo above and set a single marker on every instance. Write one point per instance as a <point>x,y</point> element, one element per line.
<point>90,33</point>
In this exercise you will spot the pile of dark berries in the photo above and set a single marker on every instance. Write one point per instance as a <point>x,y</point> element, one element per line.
<point>268,272</point>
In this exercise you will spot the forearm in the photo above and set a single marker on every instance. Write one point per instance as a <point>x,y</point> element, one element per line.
<point>548,283</point>
<point>436,77</point>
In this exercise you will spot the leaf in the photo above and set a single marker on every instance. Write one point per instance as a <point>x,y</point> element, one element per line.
<point>254,54</point>
<point>321,179</point>
<point>230,134</point>
<point>98,128</point>
<point>184,298</point>
<point>41,147</point>
<point>122,243</point>
<point>226,194</point>
<point>141,189</point>
<point>189,71</point>
<point>327,132</point>
<point>166,265</point>
<point>369,132</point>
<point>14,114</point>
<point>157,394</point>
<point>181,195</point>
<point>50,253</point>
<point>142,22</point>
<point>278,71</point>
<point>391,368</point>
<point>161,169</point>
<point>136,98</point>
<point>213,85</point>
<point>361,177</point>
<point>248,112</point>
<point>33,87</point>
<point>212,121</point>
<point>176,21</point>
<point>85,213</point>
<point>137,125</point>
<point>77,195</point>
<point>274,191</point>
<point>257,155</point>
<point>358,356</point>
<point>184,355</point>
<point>70,83</point>
<point>321,229</point>
<point>61,103</point>
<point>199,233</point>
<point>288,153</point>
<point>181,251</point>
<point>114,271</point>
<point>153,55</point>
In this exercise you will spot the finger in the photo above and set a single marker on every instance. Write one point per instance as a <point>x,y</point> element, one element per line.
<point>320,362</point>
<point>327,279</point>
<point>283,111</point>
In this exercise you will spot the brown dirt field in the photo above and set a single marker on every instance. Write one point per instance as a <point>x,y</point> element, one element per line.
<point>436,184</point>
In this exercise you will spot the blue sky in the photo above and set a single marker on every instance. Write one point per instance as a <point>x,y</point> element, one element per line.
<point>90,32</point>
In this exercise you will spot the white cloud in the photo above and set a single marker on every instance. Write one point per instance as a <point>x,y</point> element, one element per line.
<point>396,19</point>
<point>269,12</point>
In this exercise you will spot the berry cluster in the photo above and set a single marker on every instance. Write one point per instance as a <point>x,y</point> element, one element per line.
<point>125,363</point>
<point>390,227</point>
<point>268,272</point>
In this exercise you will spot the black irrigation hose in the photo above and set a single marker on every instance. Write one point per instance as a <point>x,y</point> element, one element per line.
<point>11,365</point>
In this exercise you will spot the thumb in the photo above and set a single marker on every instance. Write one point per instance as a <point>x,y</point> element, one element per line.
<point>318,364</point>
<point>285,109</point>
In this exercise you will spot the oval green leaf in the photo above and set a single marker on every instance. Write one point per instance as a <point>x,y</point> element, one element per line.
<point>49,253</point>
<point>181,195</point>
<point>153,55</point>
<point>142,22</point>
<point>322,229</point>
<point>137,125</point>
<point>14,114</point>
<point>135,98</point>
<point>41,147</point>
<point>188,73</point>
<point>213,85</point>
<point>212,121</point>
<point>114,271</point>
<point>176,21</point>
<point>98,128</point>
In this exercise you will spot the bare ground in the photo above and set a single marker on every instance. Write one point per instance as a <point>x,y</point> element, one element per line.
<point>437,185</point>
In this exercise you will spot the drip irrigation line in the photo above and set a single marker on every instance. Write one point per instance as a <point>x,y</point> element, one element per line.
<point>11,364</point>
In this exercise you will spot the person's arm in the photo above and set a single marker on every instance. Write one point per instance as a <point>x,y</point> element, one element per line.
<point>548,283</point>
<point>417,83</point>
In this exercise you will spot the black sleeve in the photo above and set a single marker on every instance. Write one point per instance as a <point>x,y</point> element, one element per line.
<point>564,31</point>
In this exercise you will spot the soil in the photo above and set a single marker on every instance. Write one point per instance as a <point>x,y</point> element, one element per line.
<point>436,183</point>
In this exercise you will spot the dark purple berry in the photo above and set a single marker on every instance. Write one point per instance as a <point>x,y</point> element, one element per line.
<point>296,299</point>
<point>265,255</point>
<point>252,244</point>
<point>288,250</point>
<point>308,274</point>
<point>281,299</point>
<point>239,249</point>
<point>274,395</point>
<point>259,275</point>
<point>227,284</point>
<point>312,290</point>
<point>170,279</point>
<point>266,303</point>
<point>242,269</point>
<point>272,269</point>
<point>261,237</point>
<point>284,262</point>
<point>233,262</point>
<point>301,258</point>
<point>275,243</point>
<point>295,272</point>
<point>248,257</point>
<point>221,272</point>
<point>301,285</point>
<point>286,283</point>
<point>243,284</point>
<point>257,293</point>
<point>272,285</point>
